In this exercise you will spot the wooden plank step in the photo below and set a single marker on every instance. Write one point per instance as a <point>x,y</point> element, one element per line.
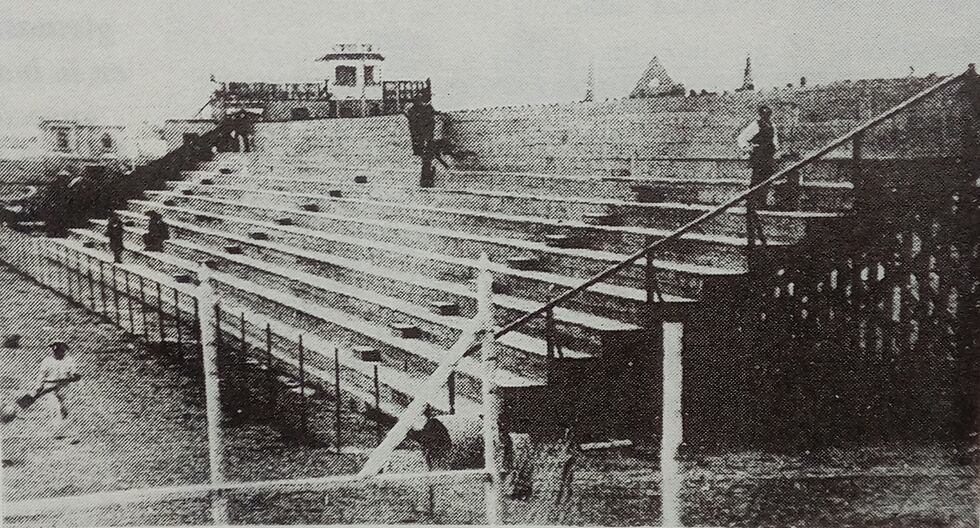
<point>562,241</point>
<point>367,353</point>
<point>311,207</point>
<point>606,219</point>
<point>335,193</point>
<point>206,181</point>
<point>170,202</point>
<point>285,220</point>
<point>307,390</point>
<point>407,330</point>
<point>184,278</point>
<point>187,192</point>
<point>288,382</point>
<point>258,235</point>
<point>649,194</point>
<point>205,218</point>
<point>528,263</point>
<point>445,308</point>
<point>89,244</point>
<point>233,249</point>
<point>225,170</point>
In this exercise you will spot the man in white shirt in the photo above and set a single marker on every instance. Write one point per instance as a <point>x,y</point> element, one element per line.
<point>56,372</point>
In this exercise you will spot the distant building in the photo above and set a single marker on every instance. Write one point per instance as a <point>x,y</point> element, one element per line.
<point>656,82</point>
<point>352,86</point>
<point>747,83</point>
<point>81,140</point>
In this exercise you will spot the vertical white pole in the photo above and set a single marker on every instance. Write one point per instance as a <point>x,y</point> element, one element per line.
<point>3,494</point>
<point>672,424</point>
<point>207,301</point>
<point>491,399</point>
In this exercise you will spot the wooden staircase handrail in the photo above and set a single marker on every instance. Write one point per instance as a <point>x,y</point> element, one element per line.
<point>688,227</point>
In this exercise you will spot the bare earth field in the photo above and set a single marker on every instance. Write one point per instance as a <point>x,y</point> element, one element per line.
<point>140,422</point>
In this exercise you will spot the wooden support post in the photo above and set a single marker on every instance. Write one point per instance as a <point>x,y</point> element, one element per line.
<point>3,464</point>
<point>302,386</point>
<point>491,398</point>
<point>63,267</point>
<point>210,305</point>
<point>858,183</point>
<point>146,336</point>
<point>268,347</point>
<point>549,333</point>
<point>105,306</point>
<point>180,341</point>
<point>219,337</point>
<point>115,293</point>
<point>451,386</point>
<point>337,397</point>
<point>160,323</point>
<point>270,378</point>
<point>129,303</point>
<point>242,339</point>
<point>91,282</point>
<point>649,280</point>
<point>377,401</point>
<point>672,426</point>
<point>71,282</point>
<point>197,318</point>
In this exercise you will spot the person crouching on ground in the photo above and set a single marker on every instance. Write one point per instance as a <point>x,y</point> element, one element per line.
<point>56,372</point>
<point>157,232</point>
<point>114,232</point>
<point>761,142</point>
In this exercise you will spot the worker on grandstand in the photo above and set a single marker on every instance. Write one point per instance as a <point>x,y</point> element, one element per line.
<point>421,126</point>
<point>421,123</point>
<point>114,232</point>
<point>157,232</point>
<point>55,373</point>
<point>760,140</point>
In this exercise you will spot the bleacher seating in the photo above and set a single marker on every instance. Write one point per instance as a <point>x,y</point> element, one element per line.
<point>324,231</point>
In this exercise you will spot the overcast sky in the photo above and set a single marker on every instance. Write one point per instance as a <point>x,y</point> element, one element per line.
<point>126,61</point>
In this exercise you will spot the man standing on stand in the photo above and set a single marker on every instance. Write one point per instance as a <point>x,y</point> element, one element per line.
<point>761,142</point>
<point>114,232</point>
<point>421,125</point>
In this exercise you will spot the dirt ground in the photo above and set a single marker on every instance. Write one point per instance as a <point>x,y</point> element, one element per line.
<point>140,421</point>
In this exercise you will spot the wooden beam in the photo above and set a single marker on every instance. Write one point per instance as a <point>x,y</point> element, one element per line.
<point>412,413</point>
<point>491,397</point>
<point>209,306</point>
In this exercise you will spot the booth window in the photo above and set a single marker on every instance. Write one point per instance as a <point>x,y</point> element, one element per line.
<point>107,142</point>
<point>61,142</point>
<point>369,75</point>
<point>346,76</point>
<point>299,113</point>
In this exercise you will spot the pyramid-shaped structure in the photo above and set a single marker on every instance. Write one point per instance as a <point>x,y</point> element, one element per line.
<point>656,82</point>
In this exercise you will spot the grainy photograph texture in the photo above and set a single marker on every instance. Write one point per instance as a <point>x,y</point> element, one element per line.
<point>508,262</point>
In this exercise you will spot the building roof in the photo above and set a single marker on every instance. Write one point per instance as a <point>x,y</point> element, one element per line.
<point>348,55</point>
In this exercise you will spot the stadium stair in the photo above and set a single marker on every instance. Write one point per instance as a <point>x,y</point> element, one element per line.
<point>360,260</point>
